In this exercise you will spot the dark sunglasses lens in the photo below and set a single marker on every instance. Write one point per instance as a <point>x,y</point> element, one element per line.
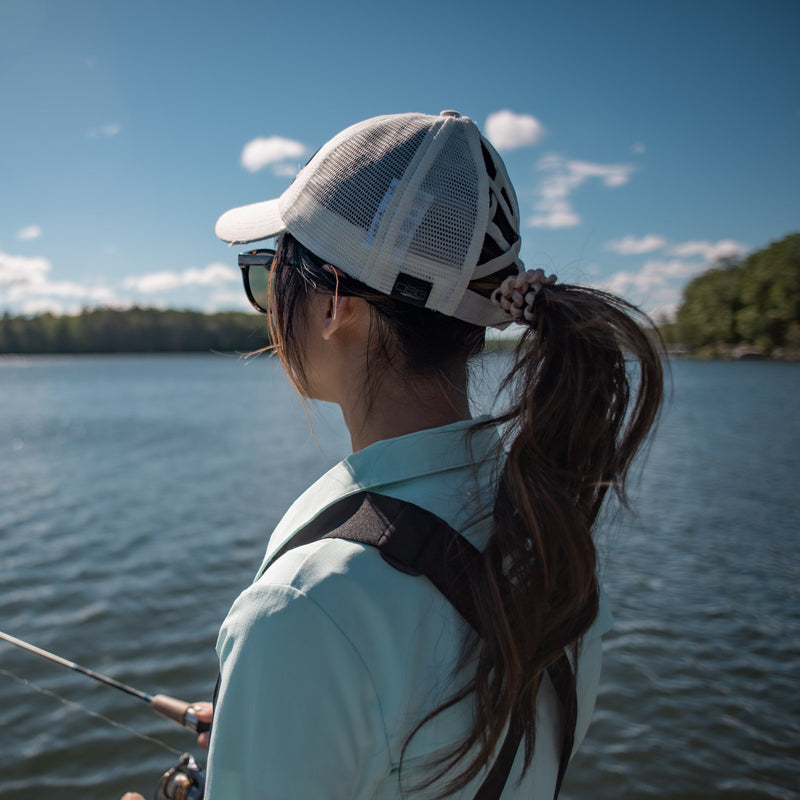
<point>255,266</point>
<point>258,281</point>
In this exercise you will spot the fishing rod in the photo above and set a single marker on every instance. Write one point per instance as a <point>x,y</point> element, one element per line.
<point>169,707</point>
<point>186,780</point>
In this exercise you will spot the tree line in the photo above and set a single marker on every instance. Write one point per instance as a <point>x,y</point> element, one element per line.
<point>751,304</point>
<point>134,330</point>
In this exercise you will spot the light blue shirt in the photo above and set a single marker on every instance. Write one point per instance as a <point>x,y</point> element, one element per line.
<point>331,658</point>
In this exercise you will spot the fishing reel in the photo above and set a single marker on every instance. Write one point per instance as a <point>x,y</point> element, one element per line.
<point>185,781</point>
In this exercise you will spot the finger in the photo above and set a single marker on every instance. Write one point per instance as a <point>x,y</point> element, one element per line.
<point>203,739</point>
<point>203,711</point>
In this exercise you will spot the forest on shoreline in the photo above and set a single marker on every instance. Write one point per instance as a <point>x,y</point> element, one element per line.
<point>133,330</point>
<point>746,307</point>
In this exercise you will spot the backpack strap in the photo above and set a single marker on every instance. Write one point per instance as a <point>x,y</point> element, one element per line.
<point>417,542</point>
<point>409,538</point>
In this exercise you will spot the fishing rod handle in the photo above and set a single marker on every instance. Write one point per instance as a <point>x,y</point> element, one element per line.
<point>178,711</point>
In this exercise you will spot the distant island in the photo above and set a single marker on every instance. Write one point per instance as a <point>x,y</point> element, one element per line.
<point>740,308</point>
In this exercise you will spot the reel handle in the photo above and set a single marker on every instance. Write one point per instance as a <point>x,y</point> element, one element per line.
<point>185,781</point>
<point>178,711</point>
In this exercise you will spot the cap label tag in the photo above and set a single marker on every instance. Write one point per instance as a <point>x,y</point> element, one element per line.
<point>409,289</point>
<point>408,230</point>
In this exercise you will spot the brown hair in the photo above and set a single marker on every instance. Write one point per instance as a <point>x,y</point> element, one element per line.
<point>404,338</point>
<point>576,420</point>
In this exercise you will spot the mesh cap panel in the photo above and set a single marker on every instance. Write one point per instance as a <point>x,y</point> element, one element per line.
<point>445,233</point>
<point>353,180</point>
<point>402,203</point>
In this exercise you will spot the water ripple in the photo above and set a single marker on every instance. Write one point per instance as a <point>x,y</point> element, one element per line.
<point>135,499</point>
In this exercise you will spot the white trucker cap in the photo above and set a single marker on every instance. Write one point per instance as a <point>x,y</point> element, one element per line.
<point>402,203</point>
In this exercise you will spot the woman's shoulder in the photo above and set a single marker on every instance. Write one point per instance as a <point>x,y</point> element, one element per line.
<point>349,581</point>
<point>344,594</point>
<point>307,588</point>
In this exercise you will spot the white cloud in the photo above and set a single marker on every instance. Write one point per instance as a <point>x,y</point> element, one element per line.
<point>631,246</point>
<point>558,215</point>
<point>564,177</point>
<point>29,232</point>
<point>638,148</point>
<point>261,152</point>
<point>25,284</point>
<point>50,305</point>
<point>612,175</point>
<point>167,280</point>
<point>227,299</point>
<point>509,131</point>
<point>286,170</point>
<point>658,284</point>
<point>67,290</point>
<point>653,274</point>
<point>40,305</point>
<point>710,251</point>
<point>212,275</point>
<point>22,271</point>
<point>107,130</point>
<point>153,282</point>
<point>27,287</point>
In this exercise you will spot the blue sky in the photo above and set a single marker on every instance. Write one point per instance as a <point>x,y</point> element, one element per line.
<point>645,138</point>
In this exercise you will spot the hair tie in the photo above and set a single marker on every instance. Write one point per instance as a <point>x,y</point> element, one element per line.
<point>517,293</point>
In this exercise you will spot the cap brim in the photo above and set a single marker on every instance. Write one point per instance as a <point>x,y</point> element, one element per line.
<point>250,223</point>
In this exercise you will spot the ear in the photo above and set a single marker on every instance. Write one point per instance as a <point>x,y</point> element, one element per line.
<point>339,311</point>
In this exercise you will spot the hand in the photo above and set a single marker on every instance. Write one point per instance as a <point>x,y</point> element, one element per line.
<point>204,712</point>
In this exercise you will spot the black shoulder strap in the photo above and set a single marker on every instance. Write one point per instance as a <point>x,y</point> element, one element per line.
<point>418,542</point>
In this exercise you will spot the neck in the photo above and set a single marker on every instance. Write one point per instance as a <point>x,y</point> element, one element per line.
<point>402,407</point>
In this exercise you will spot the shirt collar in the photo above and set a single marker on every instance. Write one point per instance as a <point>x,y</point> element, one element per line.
<point>416,454</point>
<point>389,461</point>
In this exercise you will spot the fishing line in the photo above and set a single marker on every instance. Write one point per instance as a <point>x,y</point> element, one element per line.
<point>95,714</point>
<point>170,707</point>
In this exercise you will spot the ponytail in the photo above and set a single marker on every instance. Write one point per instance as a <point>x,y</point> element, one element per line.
<point>576,419</point>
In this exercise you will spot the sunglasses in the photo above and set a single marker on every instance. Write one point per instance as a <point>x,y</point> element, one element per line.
<point>255,266</point>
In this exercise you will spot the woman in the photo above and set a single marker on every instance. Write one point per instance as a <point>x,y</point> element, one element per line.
<point>342,677</point>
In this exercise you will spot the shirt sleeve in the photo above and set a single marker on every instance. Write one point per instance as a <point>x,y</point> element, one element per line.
<point>297,713</point>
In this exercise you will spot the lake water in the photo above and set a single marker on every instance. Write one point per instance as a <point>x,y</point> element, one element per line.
<point>136,494</point>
